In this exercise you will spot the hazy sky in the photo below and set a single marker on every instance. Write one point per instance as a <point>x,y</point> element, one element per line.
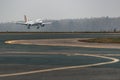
<point>13,10</point>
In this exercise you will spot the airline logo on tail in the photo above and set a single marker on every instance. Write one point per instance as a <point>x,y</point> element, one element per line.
<point>25,18</point>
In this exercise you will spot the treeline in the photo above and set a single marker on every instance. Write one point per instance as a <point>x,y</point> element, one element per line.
<point>102,24</point>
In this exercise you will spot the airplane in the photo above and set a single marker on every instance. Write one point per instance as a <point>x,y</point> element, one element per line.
<point>39,23</point>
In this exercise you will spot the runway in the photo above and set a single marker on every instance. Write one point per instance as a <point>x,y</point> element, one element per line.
<point>19,45</point>
<point>113,60</point>
<point>64,42</point>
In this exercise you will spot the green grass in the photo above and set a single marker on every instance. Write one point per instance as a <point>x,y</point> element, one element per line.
<point>103,40</point>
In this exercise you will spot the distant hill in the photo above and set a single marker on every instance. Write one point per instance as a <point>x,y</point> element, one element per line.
<point>102,24</point>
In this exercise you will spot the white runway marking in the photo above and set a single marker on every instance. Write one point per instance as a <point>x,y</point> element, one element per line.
<point>113,60</point>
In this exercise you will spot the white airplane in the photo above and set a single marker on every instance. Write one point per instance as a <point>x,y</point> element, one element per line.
<point>39,23</point>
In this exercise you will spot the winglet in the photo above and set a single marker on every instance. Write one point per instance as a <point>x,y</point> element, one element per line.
<point>25,18</point>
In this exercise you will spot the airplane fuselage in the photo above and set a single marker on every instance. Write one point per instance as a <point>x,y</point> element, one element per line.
<point>38,23</point>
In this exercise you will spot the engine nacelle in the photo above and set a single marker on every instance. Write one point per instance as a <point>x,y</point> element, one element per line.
<point>42,25</point>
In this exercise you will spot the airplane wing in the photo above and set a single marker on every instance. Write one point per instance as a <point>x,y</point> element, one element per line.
<point>20,23</point>
<point>47,23</point>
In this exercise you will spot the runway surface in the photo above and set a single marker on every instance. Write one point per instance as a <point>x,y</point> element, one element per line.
<point>105,69</point>
<point>113,60</point>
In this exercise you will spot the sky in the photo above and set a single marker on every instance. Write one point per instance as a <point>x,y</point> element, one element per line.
<point>14,10</point>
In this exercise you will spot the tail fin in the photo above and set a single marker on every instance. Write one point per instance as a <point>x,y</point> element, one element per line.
<point>25,18</point>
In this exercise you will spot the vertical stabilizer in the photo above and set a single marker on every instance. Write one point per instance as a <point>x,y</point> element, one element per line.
<point>25,18</point>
